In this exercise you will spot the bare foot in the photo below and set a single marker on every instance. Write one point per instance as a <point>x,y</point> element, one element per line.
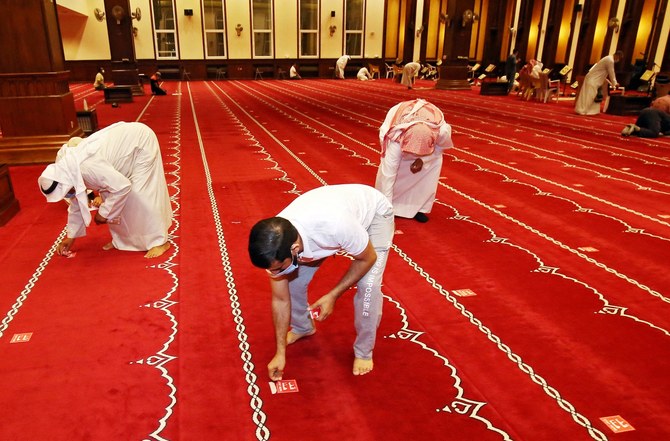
<point>292,337</point>
<point>362,367</point>
<point>108,246</point>
<point>157,251</point>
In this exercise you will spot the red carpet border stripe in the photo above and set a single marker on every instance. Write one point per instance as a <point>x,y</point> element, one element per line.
<point>161,359</point>
<point>460,405</point>
<point>536,378</point>
<point>569,249</point>
<point>591,260</point>
<point>259,417</point>
<point>268,157</point>
<point>572,166</point>
<point>567,165</point>
<point>23,296</point>
<point>303,118</point>
<point>579,208</point>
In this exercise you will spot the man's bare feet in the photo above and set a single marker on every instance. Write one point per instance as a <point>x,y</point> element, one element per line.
<point>108,246</point>
<point>361,366</point>
<point>292,337</point>
<point>157,251</point>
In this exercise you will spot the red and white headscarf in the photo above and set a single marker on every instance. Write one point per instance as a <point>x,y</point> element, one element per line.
<point>416,126</point>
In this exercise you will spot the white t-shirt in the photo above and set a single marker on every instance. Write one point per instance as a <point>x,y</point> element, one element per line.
<point>334,218</point>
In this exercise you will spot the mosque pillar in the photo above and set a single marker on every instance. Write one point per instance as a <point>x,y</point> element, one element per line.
<point>457,36</point>
<point>37,112</point>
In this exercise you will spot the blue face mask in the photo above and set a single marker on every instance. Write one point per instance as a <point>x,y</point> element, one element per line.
<point>288,270</point>
<point>70,194</point>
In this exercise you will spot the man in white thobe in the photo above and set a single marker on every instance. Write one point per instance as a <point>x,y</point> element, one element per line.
<point>364,74</point>
<point>409,72</point>
<point>123,163</point>
<point>585,103</point>
<point>412,137</point>
<point>340,64</point>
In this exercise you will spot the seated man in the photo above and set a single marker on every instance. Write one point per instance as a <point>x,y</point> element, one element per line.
<point>363,74</point>
<point>293,72</point>
<point>99,82</point>
<point>155,87</point>
<point>651,123</point>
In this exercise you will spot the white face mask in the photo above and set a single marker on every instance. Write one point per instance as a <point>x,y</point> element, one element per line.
<point>288,270</point>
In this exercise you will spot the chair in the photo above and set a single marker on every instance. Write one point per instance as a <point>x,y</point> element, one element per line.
<point>374,70</point>
<point>546,88</point>
<point>389,71</point>
<point>185,75</point>
<point>281,74</point>
<point>220,73</point>
<point>259,74</point>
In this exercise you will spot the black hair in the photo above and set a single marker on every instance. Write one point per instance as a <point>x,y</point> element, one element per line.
<point>270,241</point>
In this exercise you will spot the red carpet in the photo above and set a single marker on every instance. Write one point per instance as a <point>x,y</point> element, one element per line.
<point>534,305</point>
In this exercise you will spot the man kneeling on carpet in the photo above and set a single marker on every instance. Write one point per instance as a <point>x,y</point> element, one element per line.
<point>412,137</point>
<point>650,123</point>
<point>291,247</point>
<point>123,164</point>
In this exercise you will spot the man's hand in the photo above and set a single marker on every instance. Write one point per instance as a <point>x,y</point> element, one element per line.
<point>96,202</point>
<point>64,246</point>
<point>276,367</point>
<point>327,305</point>
<point>99,219</point>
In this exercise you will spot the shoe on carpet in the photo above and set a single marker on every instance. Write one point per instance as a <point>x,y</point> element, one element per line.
<point>421,217</point>
<point>628,130</point>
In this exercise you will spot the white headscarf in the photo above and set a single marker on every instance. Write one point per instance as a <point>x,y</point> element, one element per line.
<point>66,173</point>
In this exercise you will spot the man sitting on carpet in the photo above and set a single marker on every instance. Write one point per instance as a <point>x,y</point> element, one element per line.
<point>123,164</point>
<point>291,247</point>
<point>156,89</point>
<point>412,137</point>
<point>651,123</point>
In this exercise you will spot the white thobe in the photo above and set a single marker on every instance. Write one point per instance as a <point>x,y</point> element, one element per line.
<point>594,79</point>
<point>363,74</point>
<point>410,193</point>
<point>127,171</point>
<point>340,64</point>
<point>409,71</point>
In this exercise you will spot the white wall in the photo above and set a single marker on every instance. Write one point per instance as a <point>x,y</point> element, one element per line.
<point>82,35</point>
<point>85,38</point>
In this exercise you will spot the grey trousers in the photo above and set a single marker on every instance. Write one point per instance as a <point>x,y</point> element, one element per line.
<point>368,297</point>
